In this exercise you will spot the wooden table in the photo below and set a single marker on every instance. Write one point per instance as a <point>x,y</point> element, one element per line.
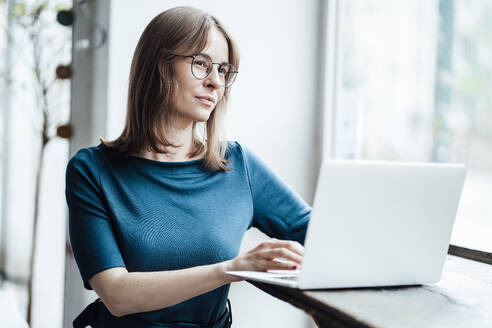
<point>462,298</point>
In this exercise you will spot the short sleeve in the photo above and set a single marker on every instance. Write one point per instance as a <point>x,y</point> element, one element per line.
<point>277,210</point>
<point>92,238</point>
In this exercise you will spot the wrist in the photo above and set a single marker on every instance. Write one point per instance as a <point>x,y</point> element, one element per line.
<point>222,267</point>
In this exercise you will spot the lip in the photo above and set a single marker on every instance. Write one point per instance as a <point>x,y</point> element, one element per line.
<point>206,100</point>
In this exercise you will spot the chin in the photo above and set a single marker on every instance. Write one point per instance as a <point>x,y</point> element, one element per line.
<point>201,119</point>
<point>197,114</point>
<point>202,115</point>
<point>198,118</point>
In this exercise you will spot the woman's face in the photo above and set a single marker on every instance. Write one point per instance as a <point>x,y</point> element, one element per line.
<point>190,90</point>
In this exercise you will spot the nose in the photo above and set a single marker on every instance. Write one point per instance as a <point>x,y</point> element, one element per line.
<point>213,79</point>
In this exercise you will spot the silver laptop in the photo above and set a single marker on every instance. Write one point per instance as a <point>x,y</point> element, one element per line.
<point>375,224</point>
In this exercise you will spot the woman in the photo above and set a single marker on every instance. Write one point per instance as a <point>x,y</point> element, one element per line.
<point>157,216</point>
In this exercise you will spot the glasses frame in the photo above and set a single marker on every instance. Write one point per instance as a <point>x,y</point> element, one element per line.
<point>220,64</point>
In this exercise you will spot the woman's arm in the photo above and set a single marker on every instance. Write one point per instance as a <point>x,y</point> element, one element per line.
<point>126,292</point>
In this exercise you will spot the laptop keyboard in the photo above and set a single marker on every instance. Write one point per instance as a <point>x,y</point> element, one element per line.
<point>288,277</point>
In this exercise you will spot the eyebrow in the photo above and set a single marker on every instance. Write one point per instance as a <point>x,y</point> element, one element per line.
<point>204,53</point>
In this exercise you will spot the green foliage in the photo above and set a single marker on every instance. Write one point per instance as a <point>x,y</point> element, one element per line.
<point>61,7</point>
<point>37,10</point>
<point>25,13</point>
<point>18,10</point>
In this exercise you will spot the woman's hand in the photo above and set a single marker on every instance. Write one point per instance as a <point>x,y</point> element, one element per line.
<point>266,256</point>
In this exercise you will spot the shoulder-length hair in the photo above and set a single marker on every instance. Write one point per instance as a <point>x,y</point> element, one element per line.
<point>153,84</point>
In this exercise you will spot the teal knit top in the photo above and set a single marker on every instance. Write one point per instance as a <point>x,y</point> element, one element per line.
<point>149,215</point>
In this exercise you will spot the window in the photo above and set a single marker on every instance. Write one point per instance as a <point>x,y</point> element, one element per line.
<point>414,84</point>
<point>3,126</point>
<point>36,46</point>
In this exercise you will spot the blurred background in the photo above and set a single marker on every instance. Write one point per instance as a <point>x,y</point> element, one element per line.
<point>406,80</point>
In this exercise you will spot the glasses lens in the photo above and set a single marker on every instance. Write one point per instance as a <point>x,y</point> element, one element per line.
<point>227,73</point>
<point>201,66</point>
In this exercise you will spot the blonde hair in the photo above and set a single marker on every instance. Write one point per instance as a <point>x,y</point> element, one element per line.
<point>152,87</point>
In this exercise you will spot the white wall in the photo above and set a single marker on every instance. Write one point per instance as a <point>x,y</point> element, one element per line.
<point>271,35</point>
<point>273,105</point>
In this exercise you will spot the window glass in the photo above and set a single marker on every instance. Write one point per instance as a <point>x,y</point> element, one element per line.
<point>3,108</point>
<point>414,83</point>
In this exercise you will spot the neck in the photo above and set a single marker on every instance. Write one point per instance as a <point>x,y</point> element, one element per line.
<point>181,136</point>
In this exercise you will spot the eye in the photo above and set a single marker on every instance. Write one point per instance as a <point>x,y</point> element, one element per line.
<point>200,63</point>
<point>223,70</point>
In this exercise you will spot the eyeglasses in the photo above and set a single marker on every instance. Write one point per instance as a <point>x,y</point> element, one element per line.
<point>202,64</point>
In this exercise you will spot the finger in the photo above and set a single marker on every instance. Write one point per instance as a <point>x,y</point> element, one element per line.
<point>265,265</point>
<point>281,252</point>
<point>281,265</point>
<point>295,246</point>
<point>265,244</point>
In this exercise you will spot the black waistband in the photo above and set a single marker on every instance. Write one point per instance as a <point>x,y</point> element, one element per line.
<point>97,316</point>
